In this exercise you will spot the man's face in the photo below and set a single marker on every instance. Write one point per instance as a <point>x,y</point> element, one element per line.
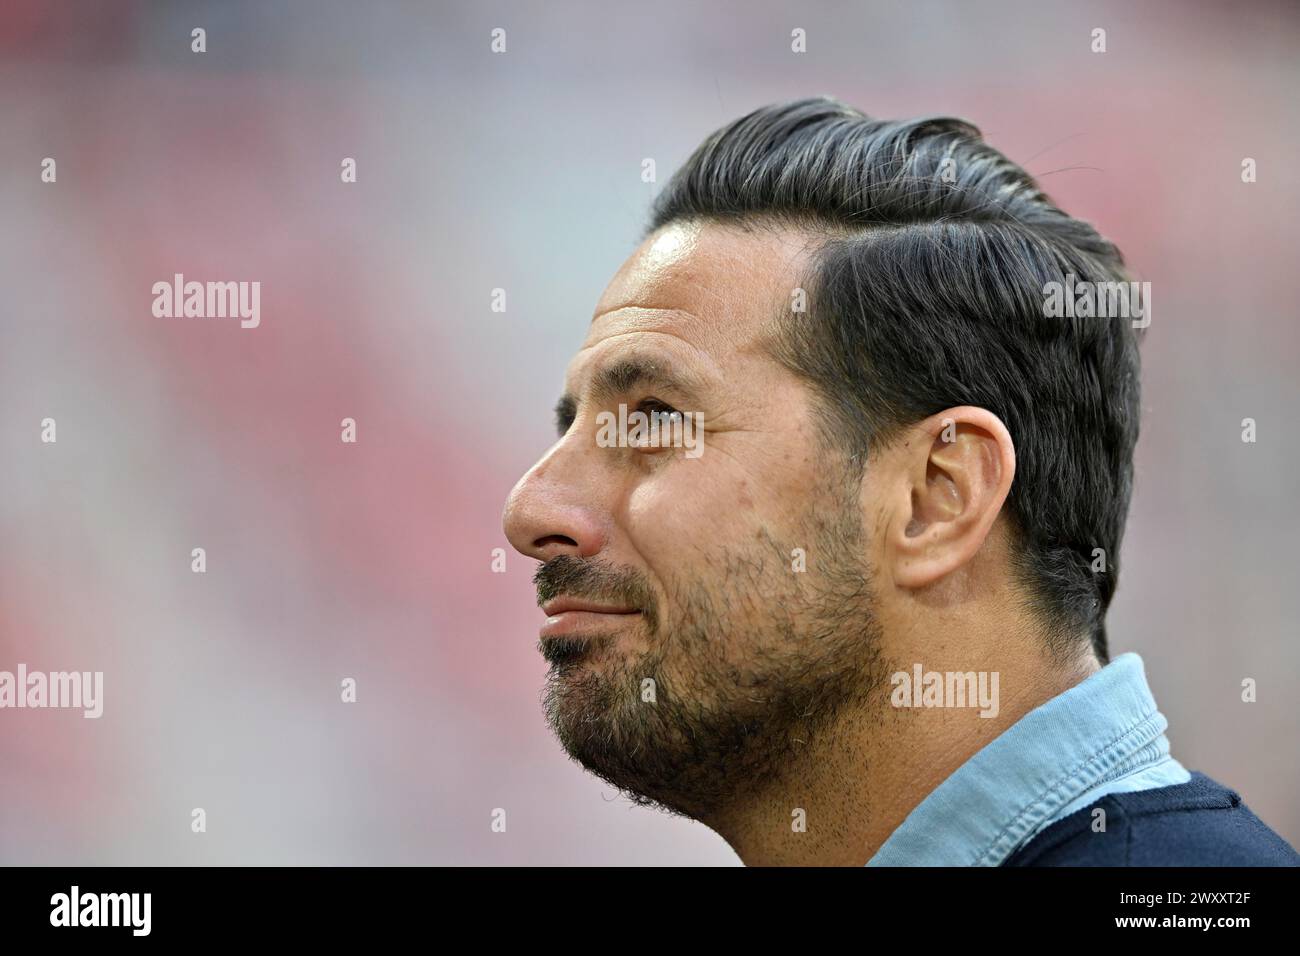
<point>707,613</point>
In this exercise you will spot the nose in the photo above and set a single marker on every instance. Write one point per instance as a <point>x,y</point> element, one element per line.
<point>554,510</point>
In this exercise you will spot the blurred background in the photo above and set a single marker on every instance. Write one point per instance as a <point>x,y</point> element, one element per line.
<point>521,170</point>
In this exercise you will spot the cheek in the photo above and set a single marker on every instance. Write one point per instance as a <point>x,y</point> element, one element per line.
<point>696,510</point>
<point>684,512</point>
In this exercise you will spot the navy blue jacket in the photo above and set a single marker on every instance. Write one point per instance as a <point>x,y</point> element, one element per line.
<point>1198,823</point>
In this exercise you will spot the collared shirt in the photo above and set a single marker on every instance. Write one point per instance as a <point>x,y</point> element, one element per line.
<point>1104,735</point>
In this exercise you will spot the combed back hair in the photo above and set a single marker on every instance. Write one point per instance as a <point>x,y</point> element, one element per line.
<point>928,292</point>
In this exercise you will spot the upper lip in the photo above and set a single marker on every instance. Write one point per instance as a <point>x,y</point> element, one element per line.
<point>559,605</point>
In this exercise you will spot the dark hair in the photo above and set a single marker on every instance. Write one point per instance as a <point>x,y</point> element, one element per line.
<point>928,293</point>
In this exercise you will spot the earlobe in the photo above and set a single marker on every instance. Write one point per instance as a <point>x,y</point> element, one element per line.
<point>957,472</point>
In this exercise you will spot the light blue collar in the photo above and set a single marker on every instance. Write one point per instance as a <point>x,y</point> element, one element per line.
<point>1104,735</point>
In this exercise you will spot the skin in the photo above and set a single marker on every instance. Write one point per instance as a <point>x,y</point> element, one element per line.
<point>771,685</point>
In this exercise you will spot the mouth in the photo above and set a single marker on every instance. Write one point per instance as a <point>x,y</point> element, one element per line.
<point>569,617</point>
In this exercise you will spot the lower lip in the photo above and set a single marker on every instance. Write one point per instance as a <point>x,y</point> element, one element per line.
<point>568,622</point>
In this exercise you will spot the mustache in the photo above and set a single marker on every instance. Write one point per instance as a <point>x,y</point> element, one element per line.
<point>596,581</point>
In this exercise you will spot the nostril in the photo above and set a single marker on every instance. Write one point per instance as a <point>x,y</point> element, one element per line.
<point>551,539</point>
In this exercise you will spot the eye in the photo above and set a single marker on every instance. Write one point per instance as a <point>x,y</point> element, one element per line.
<point>565,413</point>
<point>662,426</point>
<point>658,411</point>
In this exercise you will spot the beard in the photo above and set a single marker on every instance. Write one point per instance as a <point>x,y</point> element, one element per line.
<point>737,681</point>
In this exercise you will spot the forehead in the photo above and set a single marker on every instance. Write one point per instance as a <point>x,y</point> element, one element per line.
<point>714,288</point>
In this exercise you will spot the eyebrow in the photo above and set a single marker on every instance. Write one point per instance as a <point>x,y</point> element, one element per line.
<point>621,377</point>
<point>624,375</point>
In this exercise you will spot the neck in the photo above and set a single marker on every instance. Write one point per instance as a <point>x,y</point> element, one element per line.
<point>836,801</point>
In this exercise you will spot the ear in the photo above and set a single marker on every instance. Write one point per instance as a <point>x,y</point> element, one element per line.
<point>953,476</point>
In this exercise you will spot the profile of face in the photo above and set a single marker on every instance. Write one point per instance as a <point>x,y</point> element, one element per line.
<point>709,610</point>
